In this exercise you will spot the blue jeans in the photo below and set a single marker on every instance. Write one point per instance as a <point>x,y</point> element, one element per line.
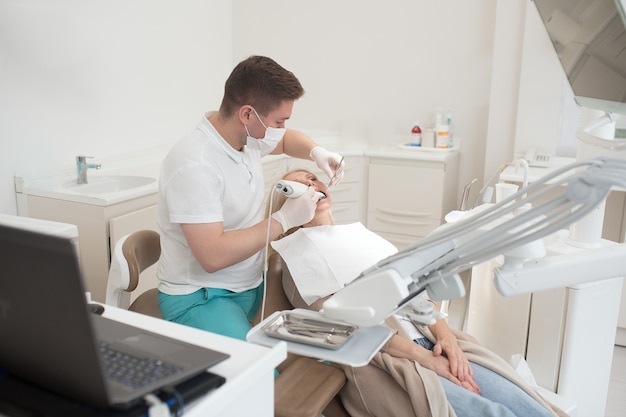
<point>498,396</point>
<point>214,309</point>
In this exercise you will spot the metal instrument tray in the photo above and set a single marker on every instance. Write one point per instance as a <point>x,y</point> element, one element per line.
<point>320,332</point>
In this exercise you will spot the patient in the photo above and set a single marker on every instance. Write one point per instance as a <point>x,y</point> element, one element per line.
<point>422,370</point>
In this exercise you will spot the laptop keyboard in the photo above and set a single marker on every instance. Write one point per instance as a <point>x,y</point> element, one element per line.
<point>133,371</point>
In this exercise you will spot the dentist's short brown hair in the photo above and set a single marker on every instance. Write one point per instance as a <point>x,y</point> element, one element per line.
<point>261,82</point>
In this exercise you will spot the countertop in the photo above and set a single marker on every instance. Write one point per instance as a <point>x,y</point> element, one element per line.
<point>147,164</point>
<point>516,174</point>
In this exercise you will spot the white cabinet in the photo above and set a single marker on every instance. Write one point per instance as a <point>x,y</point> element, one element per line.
<point>529,324</point>
<point>408,198</point>
<point>99,227</point>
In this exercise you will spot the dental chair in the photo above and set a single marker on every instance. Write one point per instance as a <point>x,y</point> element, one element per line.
<point>133,254</point>
<point>305,386</point>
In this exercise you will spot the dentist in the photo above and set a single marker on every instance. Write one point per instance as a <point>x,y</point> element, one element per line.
<point>211,200</point>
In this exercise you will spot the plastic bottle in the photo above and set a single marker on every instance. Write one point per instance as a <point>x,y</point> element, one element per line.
<point>416,135</point>
<point>428,137</point>
<point>451,143</point>
<point>442,129</point>
<point>438,116</point>
<point>443,136</point>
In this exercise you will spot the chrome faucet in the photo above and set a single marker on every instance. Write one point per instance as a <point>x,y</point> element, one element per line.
<point>81,168</point>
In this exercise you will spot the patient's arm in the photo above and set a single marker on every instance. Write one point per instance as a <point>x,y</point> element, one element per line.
<point>447,345</point>
<point>401,347</point>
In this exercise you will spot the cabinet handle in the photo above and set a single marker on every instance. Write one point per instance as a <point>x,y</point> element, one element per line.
<point>403,223</point>
<point>403,213</point>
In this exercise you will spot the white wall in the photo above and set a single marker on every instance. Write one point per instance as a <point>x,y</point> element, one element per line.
<point>103,77</point>
<point>504,91</point>
<point>541,90</point>
<point>528,86</point>
<point>370,68</point>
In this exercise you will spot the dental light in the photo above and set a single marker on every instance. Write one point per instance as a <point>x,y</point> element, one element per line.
<point>513,227</point>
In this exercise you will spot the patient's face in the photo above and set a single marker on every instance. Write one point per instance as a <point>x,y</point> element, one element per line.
<point>311,180</point>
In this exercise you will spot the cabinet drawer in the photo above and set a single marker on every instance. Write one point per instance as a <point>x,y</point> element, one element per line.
<point>355,169</point>
<point>411,225</point>
<point>346,192</point>
<point>406,190</point>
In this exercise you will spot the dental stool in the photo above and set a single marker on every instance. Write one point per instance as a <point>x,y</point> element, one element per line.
<point>133,254</point>
<point>305,386</point>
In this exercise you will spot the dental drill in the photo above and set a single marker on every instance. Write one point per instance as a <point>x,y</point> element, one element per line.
<point>293,189</point>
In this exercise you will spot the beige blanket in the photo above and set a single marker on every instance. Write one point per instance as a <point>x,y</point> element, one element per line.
<point>393,387</point>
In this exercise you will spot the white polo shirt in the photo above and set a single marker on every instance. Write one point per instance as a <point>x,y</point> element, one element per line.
<point>204,180</point>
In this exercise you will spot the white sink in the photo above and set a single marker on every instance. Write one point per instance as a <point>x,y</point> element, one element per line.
<point>108,184</point>
<point>101,190</point>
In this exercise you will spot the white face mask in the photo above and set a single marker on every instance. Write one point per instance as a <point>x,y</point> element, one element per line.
<point>273,135</point>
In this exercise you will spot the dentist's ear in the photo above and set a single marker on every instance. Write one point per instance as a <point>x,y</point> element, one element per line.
<point>245,113</point>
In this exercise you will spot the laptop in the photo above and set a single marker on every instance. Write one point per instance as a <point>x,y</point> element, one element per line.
<point>50,338</point>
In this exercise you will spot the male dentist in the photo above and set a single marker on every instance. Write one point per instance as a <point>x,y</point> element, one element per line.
<point>211,193</point>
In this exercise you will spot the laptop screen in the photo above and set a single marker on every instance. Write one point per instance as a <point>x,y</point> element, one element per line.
<point>45,327</point>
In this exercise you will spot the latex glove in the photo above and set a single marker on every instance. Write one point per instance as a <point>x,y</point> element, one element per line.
<point>297,211</point>
<point>329,162</point>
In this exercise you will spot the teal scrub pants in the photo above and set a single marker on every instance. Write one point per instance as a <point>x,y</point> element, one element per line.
<point>214,309</point>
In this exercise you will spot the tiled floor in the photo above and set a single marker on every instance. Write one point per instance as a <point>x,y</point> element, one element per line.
<point>616,403</point>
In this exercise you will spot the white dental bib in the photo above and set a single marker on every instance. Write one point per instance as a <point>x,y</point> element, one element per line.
<point>323,259</point>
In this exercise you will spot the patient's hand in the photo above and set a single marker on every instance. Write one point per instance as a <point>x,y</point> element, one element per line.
<point>459,365</point>
<point>401,347</point>
<point>442,367</point>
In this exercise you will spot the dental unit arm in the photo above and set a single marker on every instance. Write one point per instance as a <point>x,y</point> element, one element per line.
<point>513,227</point>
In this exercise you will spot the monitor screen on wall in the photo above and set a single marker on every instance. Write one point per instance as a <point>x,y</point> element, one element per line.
<point>589,37</point>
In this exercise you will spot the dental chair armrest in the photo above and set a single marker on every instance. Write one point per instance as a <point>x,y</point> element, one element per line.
<point>306,387</point>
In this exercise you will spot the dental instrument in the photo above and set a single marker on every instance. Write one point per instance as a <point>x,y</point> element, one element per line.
<point>466,191</point>
<point>293,189</point>
<point>486,186</point>
<point>334,177</point>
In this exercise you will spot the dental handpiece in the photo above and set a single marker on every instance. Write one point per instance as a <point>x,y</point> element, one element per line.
<point>293,189</point>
